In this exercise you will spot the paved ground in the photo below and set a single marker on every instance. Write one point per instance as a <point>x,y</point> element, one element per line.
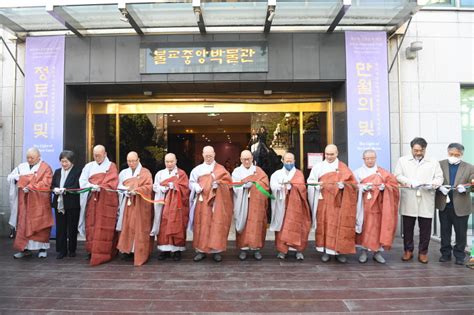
<point>71,285</point>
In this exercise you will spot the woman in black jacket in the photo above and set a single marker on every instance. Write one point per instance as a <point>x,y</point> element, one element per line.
<point>67,205</point>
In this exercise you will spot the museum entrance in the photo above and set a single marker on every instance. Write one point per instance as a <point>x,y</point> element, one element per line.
<point>184,128</point>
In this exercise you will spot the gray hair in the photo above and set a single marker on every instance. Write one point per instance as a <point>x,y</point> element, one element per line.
<point>66,154</point>
<point>456,146</point>
<point>369,151</point>
<point>34,150</point>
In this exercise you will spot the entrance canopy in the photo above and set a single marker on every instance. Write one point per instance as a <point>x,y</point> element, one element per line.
<point>99,17</point>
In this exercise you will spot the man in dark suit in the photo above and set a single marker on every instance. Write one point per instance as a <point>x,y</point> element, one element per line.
<point>67,205</point>
<point>453,199</point>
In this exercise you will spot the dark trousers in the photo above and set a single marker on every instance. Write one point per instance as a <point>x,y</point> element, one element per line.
<point>448,219</point>
<point>425,233</point>
<point>66,228</point>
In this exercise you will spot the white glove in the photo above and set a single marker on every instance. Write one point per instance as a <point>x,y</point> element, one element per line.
<point>126,193</point>
<point>133,192</point>
<point>57,190</point>
<point>382,187</point>
<point>288,186</point>
<point>62,190</point>
<point>171,185</point>
<point>367,187</point>
<point>461,189</point>
<point>248,185</point>
<point>340,185</point>
<point>95,188</point>
<point>163,189</point>
<point>26,190</point>
<point>444,190</point>
<point>197,189</point>
<point>214,185</point>
<point>414,184</point>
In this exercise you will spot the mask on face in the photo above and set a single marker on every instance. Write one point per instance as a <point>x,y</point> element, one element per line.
<point>454,160</point>
<point>289,166</point>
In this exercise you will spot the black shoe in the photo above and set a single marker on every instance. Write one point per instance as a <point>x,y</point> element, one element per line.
<point>199,257</point>
<point>459,261</point>
<point>243,255</point>
<point>444,258</point>
<point>177,256</point>
<point>217,257</point>
<point>89,256</point>
<point>12,233</point>
<point>61,256</point>
<point>163,255</point>
<point>72,254</point>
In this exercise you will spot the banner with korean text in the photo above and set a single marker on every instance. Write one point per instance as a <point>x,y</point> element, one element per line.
<point>368,114</point>
<point>44,97</point>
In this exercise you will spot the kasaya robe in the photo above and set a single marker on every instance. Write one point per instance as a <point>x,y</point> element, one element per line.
<point>171,217</point>
<point>377,215</point>
<point>291,216</point>
<point>100,213</point>
<point>136,219</point>
<point>34,217</point>
<point>213,207</point>
<point>335,213</point>
<point>250,207</point>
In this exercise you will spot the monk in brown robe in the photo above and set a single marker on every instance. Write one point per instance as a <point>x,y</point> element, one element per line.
<point>377,208</point>
<point>291,217</point>
<point>332,195</point>
<point>211,206</point>
<point>135,213</point>
<point>99,207</point>
<point>250,206</point>
<point>30,198</point>
<point>171,217</point>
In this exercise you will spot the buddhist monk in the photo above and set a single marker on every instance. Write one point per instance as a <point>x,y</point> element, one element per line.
<point>377,208</point>
<point>250,206</point>
<point>30,202</point>
<point>210,207</point>
<point>291,218</point>
<point>171,186</point>
<point>99,207</point>
<point>135,213</point>
<point>333,199</point>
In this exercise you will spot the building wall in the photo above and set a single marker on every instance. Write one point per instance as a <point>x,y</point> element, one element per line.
<point>11,119</point>
<point>431,83</point>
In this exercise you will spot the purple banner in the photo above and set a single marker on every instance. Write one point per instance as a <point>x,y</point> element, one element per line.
<point>368,114</point>
<point>44,97</point>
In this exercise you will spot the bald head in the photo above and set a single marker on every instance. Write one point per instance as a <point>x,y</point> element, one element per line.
<point>330,153</point>
<point>170,161</point>
<point>246,158</point>
<point>33,156</point>
<point>99,153</point>
<point>370,158</point>
<point>288,158</point>
<point>208,154</point>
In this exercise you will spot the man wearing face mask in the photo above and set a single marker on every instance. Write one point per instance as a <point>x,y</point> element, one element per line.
<point>422,176</point>
<point>453,200</point>
<point>332,194</point>
<point>291,218</point>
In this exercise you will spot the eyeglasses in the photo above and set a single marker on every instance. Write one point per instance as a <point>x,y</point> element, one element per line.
<point>132,161</point>
<point>247,159</point>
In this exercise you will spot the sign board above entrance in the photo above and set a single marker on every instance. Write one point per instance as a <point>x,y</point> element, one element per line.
<point>204,57</point>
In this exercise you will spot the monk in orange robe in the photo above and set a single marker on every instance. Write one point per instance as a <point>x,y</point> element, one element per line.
<point>377,208</point>
<point>250,206</point>
<point>332,196</point>
<point>31,213</point>
<point>211,206</point>
<point>291,217</point>
<point>171,218</point>
<point>98,216</point>
<point>135,213</point>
